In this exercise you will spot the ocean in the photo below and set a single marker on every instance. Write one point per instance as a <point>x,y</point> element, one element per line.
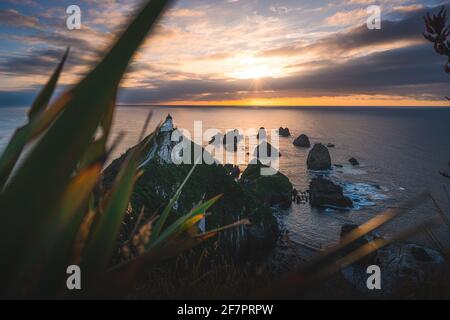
<point>400,150</point>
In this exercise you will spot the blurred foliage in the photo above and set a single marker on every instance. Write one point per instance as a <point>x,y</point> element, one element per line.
<point>48,174</point>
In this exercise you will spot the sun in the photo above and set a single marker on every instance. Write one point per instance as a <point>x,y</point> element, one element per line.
<point>249,67</point>
<point>254,72</point>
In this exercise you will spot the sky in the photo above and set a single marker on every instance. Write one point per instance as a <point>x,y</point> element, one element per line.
<point>233,52</point>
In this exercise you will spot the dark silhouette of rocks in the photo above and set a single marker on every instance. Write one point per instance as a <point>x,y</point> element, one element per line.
<point>353,161</point>
<point>302,141</point>
<point>265,150</point>
<point>324,192</point>
<point>284,132</point>
<point>262,134</point>
<point>319,158</point>
<point>232,170</point>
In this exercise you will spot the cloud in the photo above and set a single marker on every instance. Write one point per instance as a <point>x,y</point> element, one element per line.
<point>346,18</point>
<point>196,49</point>
<point>13,18</point>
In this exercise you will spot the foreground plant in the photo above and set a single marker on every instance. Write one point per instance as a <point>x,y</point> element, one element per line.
<point>50,217</point>
<point>437,32</point>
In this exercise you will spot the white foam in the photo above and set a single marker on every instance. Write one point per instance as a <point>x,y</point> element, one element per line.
<point>363,194</point>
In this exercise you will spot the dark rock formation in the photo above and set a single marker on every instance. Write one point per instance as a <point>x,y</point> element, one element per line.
<point>420,254</point>
<point>271,189</point>
<point>284,132</point>
<point>294,194</point>
<point>262,134</point>
<point>324,193</point>
<point>265,150</point>
<point>231,140</point>
<point>302,141</point>
<point>319,158</point>
<point>407,269</point>
<point>232,170</point>
<point>353,161</point>
<point>161,178</point>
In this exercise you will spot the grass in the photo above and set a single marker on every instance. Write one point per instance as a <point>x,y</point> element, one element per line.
<point>50,217</point>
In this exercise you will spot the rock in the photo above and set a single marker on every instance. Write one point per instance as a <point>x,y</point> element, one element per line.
<point>231,140</point>
<point>284,132</point>
<point>319,158</point>
<point>294,194</point>
<point>232,171</point>
<point>160,180</point>
<point>353,161</point>
<point>302,141</point>
<point>272,189</point>
<point>330,145</point>
<point>338,165</point>
<point>265,150</point>
<point>324,193</point>
<point>407,270</point>
<point>262,133</point>
<point>420,254</point>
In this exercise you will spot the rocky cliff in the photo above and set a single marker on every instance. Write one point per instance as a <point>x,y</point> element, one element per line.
<point>162,177</point>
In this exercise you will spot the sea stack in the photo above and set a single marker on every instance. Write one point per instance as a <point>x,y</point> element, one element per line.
<point>284,132</point>
<point>302,141</point>
<point>353,161</point>
<point>319,158</point>
<point>325,193</point>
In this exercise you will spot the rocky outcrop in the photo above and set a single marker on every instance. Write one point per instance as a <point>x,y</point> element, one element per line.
<point>406,268</point>
<point>232,170</point>
<point>271,189</point>
<point>302,141</point>
<point>319,158</point>
<point>161,178</point>
<point>353,161</point>
<point>324,193</point>
<point>284,132</point>
<point>265,150</point>
<point>262,134</point>
<point>230,140</point>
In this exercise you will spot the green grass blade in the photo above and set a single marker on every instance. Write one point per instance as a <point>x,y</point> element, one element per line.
<point>56,155</point>
<point>101,242</point>
<point>23,135</point>
<point>45,95</point>
<point>177,227</point>
<point>162,219</point>
<point>54,249</point>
